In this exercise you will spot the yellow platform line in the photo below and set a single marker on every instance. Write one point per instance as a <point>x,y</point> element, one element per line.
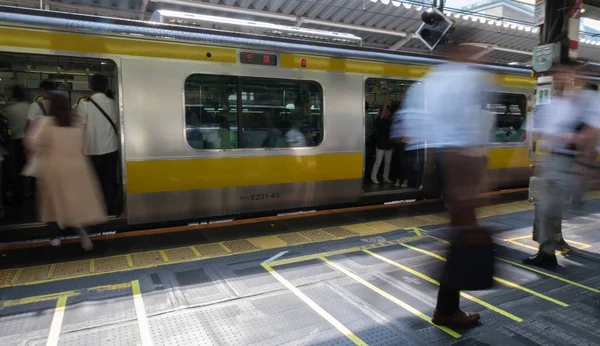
<point>15,281</point>
<point>57,320</point>
<point>129,261</point>
<point>319,310</point>
<point>17,275</point>
<point>163,254</point>
<point>342,251</point>
<point>51,271</point>
<point>196,252</point>
<point>390,297</point>
<point>68,294</point>
<point>582,246</point>
<point>140,312</point>
<point>435,282</point>
<point>502,281</point>
<point>556,277</point>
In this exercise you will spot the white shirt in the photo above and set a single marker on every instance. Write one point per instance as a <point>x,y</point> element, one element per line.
<point>563,114</point>
<point>17,114</point>
<point>100,138</point>
<point>35,112</point>
<point>295,138</point>
<point>445,109</point>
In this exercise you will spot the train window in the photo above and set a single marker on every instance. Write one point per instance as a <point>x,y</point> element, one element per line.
<point>211,111</point>
<point>281,113</point>
<point>511,114</point>
<point>272,113</point>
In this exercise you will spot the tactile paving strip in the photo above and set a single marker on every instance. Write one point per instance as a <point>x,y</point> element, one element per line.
<point>240,245</point>
<point>182,254</point>
<point>59,271</point>
<point>108,264</point>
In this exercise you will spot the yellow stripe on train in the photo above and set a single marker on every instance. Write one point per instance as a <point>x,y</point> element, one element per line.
<point>214,173</point>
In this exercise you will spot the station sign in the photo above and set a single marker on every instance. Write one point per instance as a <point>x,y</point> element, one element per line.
<point>540,12</point>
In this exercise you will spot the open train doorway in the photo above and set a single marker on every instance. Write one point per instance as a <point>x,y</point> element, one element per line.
<point>24,79</point>
<point>391,167</point>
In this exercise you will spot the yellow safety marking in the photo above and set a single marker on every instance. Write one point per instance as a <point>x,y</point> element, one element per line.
<point>502,281</point>
<point>57,320</point>
<point>332,320</point>
<point>17,275</point>
<point>129,261</point>
<point>39,299</point>
<point>549,275</point>
<point>164,256</point>
<point>224,247</point>
<point>51,271</point>
<point>195,251</point>
<point>341,251</point>
<point>54,296</point>
<point>582,246</point>
<point>104,265</point>
<point>389,297</point>
<point>435,282</point>
<point>227,172</point>
<point>140,312</point>
<point>92,265</point>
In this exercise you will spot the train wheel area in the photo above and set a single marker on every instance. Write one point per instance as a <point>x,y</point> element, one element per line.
<point>361,277</point>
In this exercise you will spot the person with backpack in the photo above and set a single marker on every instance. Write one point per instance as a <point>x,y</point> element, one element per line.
<point>101,138</point>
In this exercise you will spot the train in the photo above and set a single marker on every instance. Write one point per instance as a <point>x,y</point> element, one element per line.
<point>203,112</point>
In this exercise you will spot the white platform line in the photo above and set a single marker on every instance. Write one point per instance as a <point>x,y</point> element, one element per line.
<point>275,257</point>
<point>140,312</point>
<point>57,320</point>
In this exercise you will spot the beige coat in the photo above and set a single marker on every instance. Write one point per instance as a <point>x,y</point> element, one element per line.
<point>68,191</point>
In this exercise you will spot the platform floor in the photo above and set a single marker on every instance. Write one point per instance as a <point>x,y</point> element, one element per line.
<point>370,281</point>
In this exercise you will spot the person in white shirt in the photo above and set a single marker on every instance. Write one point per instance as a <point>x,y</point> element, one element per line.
<point>16,113</point>
<point>39,109</point>
<point>571,126</point>
<point>448,118</point>
<point>101,143</point>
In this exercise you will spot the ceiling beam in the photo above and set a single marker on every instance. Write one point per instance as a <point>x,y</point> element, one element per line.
<point>401,43</point>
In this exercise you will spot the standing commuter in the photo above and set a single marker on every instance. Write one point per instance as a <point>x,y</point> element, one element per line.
<point>384,147</point>
<point>101,145</point>
<point>16,114</point>
<point>570,124</point>
<point>40,108</point>
<point>453,125</point>
<point>69,195</point>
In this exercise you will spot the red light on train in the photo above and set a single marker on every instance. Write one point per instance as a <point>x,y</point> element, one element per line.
<point>303,63</point>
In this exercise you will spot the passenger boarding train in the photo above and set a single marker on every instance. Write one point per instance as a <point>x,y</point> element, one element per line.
<point>219,125</point>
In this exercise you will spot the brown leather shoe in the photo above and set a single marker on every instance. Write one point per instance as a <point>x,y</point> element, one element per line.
<point>458,319</point>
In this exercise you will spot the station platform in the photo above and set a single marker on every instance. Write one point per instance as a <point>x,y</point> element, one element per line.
<point>357,277</point>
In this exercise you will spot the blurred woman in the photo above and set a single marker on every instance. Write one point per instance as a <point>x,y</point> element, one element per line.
<point>69,195</point>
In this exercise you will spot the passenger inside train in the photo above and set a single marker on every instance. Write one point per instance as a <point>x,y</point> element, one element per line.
<point>27,81</point>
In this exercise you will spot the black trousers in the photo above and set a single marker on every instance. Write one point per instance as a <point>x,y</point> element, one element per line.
<point>459,177</point>
<point>106,171</point>
<point>18,162</point>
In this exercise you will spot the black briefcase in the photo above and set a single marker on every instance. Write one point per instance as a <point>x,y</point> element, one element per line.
<point>470,261</point>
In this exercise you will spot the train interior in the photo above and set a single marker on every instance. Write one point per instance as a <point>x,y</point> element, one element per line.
<point>70,74</point>
<point>406,168</point>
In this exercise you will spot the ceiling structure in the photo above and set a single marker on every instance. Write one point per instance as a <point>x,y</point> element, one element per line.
<point>384,24</point>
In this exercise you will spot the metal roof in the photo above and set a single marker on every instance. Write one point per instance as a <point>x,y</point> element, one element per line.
<point>384,24</point>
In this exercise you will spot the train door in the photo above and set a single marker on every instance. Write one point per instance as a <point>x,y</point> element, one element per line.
<point>390,167</point>
<point>20,78</point>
